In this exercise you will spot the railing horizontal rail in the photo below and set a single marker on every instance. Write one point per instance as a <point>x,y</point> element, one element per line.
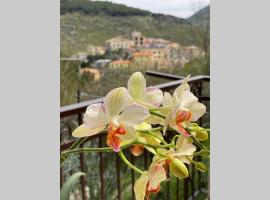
<point>164,75</point>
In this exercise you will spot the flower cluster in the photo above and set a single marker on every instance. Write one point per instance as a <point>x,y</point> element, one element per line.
<point>138,117</point>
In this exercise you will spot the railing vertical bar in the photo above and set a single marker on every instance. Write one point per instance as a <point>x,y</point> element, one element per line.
<point>101,171</point>
<point>192,181</point>
<point>118,177</point>
<point>145,159</point>
<point>132,177</point>
<point>168,182</point>
<point>82,179</point>
<point>199,176</point>
<point>177,188</point>
<point>186,189</point>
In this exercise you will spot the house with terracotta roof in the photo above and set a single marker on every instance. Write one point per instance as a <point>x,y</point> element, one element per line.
<point>118,64</point>
<point>142,56</point>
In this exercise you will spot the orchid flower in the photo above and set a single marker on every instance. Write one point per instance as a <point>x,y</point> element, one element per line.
<point>149,182</point>
<point>176,157</point>
<point>184,148</point>
<point>148,96</point>
<point>116,115</point>
<point>146,138</point>
<point>184,107</point>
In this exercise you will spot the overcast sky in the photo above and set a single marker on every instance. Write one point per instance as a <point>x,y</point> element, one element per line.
<point>179,8</point>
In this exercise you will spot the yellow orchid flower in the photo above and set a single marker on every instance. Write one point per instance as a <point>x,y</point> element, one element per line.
<point>183,108</point>
<point>117,115</point>
<point>149,181</point>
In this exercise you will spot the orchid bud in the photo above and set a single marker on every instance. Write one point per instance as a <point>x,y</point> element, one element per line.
<point>178,168</point>
<point>201,135</point>
<point>137,150</point>
<point>201,167</point>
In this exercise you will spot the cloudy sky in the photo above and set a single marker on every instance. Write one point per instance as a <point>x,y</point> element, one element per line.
<point>179,8</point>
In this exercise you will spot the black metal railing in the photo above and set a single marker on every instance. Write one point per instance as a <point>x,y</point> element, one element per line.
<point>75,111</point>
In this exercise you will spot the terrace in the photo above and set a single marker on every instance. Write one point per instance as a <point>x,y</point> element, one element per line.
<point>106,176</point>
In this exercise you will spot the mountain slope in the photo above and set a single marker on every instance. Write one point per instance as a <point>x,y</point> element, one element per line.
<point>202,17</point>
<point>84,22</point>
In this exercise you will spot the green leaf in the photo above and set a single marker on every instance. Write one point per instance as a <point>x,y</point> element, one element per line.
<point>201,167</point>
<point>69,184</point>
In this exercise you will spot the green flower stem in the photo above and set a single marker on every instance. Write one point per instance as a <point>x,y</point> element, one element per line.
<point>157,114</point>
<point>156,146</point>
<point>65,154</point>
<point>125,160</point>
<point>198,143</point>
<point>149,132</point>
<point>77,143</point>
<point>101,149</point>
<point>161,108</point>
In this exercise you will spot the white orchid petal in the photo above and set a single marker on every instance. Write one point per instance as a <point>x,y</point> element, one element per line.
<point>167,100</point>
<point>137,85</point>
<point>188,99</point>
<point>140,186</point>
<point>157,174</point>
<point>134,114</point>
<point>115,101</point>
<point>95,116</point>
<point>153,96</point>
<point>166,122</point>
<point>186,150</point>
<point>197,110</point>
<point>83,131</point>
<point>184,147</point>
<point>182,88</point>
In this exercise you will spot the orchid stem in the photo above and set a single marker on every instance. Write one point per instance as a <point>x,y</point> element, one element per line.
<point>125,160</point>
<point>157,114</point>
<point>149,132</point>
<point>198,143</point>
<point>156,146</point>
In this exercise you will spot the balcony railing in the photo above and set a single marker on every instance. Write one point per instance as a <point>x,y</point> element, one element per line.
<point>191,186</point>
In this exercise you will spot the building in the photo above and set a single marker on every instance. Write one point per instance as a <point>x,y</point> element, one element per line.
<point>93,71</point>
<point>142,56</point>
<point>158,54</point>
<point>191,52</point>
<point>118,64</point>
<point>173,51</point>
<point>96,51</point>
<point>119,42</point>
<point>137,38</point>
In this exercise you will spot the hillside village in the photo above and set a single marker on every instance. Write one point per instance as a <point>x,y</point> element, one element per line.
<point>137,50</point>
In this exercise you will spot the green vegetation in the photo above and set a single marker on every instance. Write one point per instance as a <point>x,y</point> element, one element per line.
<point>94,8</point>
<point>201,18</point>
